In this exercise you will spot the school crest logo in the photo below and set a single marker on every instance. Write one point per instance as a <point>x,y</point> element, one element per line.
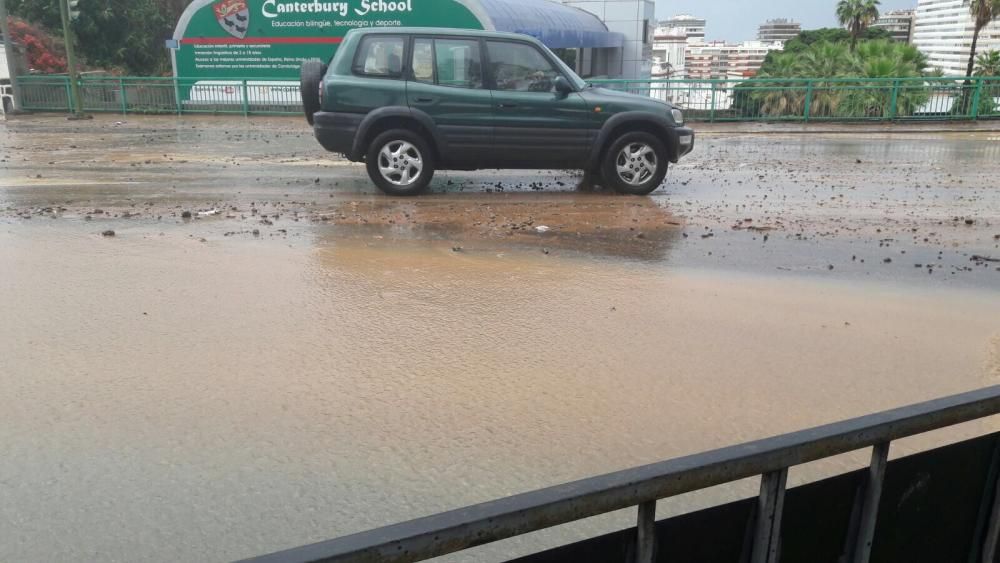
<point>233,16</point>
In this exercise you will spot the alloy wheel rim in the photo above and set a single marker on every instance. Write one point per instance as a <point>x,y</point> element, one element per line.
<point>636,163</point>
<point>400,163</point>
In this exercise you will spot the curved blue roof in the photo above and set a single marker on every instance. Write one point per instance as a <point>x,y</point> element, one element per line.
<point>556,25</point>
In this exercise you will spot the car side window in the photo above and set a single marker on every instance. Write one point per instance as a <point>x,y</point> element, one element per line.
<point>458,63</point>
<point>520,67</point>
<point>379,55</point>
<point>423,60</point>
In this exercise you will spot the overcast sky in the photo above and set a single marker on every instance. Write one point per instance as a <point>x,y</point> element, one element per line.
<point>736,20</point>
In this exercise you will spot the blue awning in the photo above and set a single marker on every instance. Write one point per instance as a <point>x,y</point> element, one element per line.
<point>556,25</point>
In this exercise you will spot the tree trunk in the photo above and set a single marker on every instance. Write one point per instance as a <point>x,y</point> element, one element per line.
<point>967,86</point>
<point>972,55</point>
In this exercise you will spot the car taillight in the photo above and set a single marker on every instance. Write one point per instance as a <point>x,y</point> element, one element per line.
<point>320,94</point>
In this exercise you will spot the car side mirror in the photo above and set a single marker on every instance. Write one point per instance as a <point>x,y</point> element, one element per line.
<point>562,86</point>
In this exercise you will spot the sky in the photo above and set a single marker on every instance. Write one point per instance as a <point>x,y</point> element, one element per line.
<point>737,20</point>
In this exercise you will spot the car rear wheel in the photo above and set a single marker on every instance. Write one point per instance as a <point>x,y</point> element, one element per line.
<point>635,163</point>
<point>400,162</point>
<point>310,77</point>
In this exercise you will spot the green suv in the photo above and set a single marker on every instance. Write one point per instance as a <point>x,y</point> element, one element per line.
<point>409,101</point>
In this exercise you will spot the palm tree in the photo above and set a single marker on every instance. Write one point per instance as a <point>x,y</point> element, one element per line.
<point>882,60</point>
<point>827,60</point>
<point>858,15</point>
<point>983,12</point>
<point>988,64</point>
<point>778,97</point>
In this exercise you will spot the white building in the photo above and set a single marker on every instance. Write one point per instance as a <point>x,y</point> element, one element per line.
<point>693,27</point>
<point>721,60</point>
<point>942,30</point>
<point>669,46</point>
<point>776,30</point>
<point>635,20</point>
<point>899,24</point>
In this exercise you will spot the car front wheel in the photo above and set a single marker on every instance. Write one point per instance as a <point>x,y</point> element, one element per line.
<point>635,163</point>
<point>400,162</point>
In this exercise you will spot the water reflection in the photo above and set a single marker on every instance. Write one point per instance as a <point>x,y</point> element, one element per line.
<point>590,223</point>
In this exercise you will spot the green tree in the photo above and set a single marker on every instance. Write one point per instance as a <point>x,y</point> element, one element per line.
<point>44,12</point>
<point>857,16</point>
<point>983,12</point>
<point>805,39</point>
<point>124,35</point>
<point>833,35</point>
<point>881,60</point>
<point>778,97</point>
<point>988,64</point>
<point>136,47</point>
<point>826,60</point>
<point>824,64</point>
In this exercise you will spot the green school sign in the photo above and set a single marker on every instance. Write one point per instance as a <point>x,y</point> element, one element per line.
<point>269,39</point>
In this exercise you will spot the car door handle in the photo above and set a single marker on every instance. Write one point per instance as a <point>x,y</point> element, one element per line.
<point>424,100</point>
<point>507,105</point>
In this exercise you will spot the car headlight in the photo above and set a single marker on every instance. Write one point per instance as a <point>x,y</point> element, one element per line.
<point>678,116</point>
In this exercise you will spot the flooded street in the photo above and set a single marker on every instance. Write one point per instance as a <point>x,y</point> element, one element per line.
<point>219,341</point>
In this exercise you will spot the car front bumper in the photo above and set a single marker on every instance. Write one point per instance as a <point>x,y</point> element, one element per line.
<point>681,142</point>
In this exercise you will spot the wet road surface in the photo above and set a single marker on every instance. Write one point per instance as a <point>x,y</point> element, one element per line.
<point>301,357</point>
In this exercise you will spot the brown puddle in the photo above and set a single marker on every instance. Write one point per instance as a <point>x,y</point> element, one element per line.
<point>593,223</point>
<point>190,390</point>
<point>167,399</point>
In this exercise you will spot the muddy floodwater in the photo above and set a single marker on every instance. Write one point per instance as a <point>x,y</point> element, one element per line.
<point>218,341</point>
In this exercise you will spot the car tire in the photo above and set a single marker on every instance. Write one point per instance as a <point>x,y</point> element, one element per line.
<point>391,161</point>
<point>635,163</point>
<point>310,76</point>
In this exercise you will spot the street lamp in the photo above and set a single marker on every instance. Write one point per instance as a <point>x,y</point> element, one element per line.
<point>69,11</point>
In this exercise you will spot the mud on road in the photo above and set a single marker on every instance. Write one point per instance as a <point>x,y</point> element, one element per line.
<point>218,341</point>
<point>931,194</point>
<point>929,191</point>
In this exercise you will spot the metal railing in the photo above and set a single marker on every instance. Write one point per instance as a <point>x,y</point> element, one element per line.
<point>144,95</point>
<point>824,99</point>
<point>820,99</point>
<point>641,487</point>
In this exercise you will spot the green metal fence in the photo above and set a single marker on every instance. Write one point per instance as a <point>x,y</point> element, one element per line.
<point>164,95</point>
<point>820,99</point>
<point>824,99</point>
